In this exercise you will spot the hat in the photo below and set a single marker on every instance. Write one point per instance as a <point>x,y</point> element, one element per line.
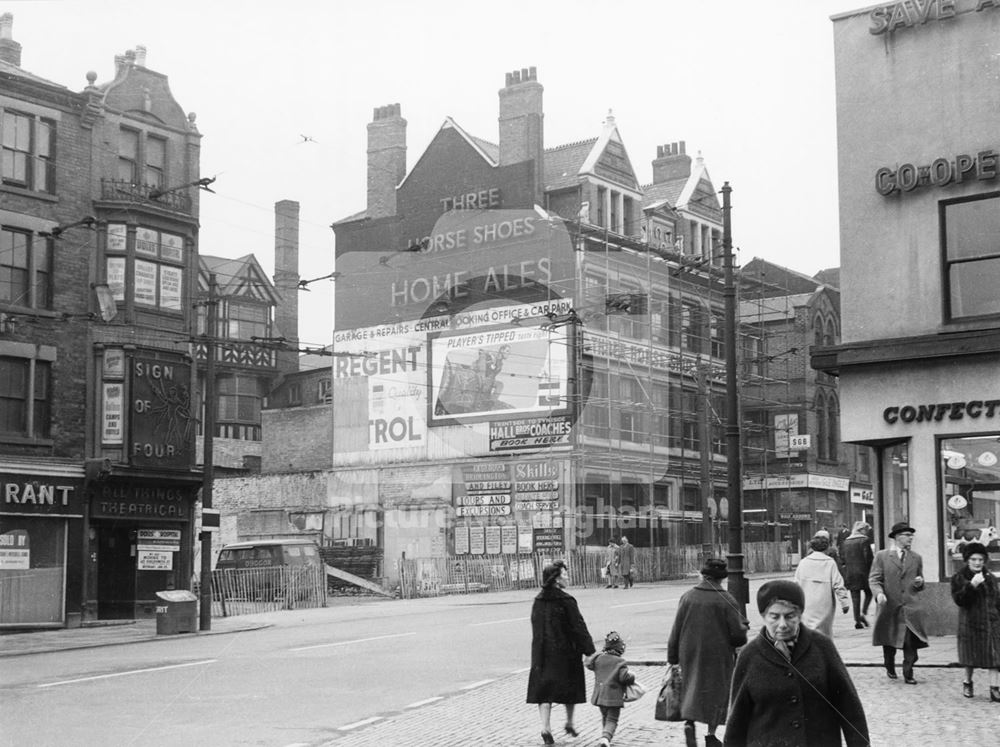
<point>974,548</point>
<point>714,568</point>
<point>551,572</point>
<point>860,526</point>
<point>786,591</point>
<point>614,642</point>
<point>822,533</point>
<point>898,527</point>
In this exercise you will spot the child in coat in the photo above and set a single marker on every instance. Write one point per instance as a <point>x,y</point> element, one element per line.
<point>611,677</point>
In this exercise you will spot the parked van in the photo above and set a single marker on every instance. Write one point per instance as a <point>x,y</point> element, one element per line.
<point>283,567</point>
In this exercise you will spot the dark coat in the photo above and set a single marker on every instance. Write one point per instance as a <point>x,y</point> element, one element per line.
<point>807,702</point>
<point>856,556</point>
<point>903,608</point>
<point>978,620</point>
<point>626,558</point>
<point>559,640</point>
<point>611,677</point>
<point>707,629</point>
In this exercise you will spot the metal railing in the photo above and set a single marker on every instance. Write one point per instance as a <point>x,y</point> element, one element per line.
<point>245,591</point>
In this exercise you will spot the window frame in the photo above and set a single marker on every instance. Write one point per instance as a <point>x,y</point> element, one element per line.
<point>36,406</point>
<point>35,292</point>
<point>947,264</point>
<point>39,167</point>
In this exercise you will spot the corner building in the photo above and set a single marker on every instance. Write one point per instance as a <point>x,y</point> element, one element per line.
<point>919,361</point>
<point>524,340</point>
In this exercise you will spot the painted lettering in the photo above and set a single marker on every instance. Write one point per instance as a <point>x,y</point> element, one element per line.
<point>908,13</point>
<point>936,412</point>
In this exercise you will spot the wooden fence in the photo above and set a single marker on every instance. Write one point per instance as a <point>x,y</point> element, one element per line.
<point>464,574</point>
<point>244,591</point>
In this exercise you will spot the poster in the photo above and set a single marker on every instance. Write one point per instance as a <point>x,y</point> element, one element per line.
<point>461,540</point>
<point>145,283</point>
<point>492,540</point>
<point>154,560</point>
<point>112,413</point>
<point>477,540</point>
<point>147,242</point>
<point>15,551</point>
<point>117,237</point>
<point>171,247</point>
<point>170,287</point>
<point>116,277</point>
<point>508,539</point>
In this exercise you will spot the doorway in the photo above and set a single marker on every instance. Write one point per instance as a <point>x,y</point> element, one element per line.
<point>115,572</point>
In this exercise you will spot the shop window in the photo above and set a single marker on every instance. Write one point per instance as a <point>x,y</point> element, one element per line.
<point>970,469</point>
<point>25,410</point>
<point>28,151</point>
<point>894,485</point>
<point>25,269</point>
<point>32,577</point>
<point>971,256</point>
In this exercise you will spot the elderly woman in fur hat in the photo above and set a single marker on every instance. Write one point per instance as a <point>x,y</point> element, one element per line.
<point>708,628</point>
<point>790,686</point>
<point>974,590</point>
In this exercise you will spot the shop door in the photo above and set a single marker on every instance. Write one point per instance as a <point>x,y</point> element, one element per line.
<point>115,573</point>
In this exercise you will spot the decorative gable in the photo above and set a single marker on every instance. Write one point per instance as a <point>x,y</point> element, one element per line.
<point>614,165</point>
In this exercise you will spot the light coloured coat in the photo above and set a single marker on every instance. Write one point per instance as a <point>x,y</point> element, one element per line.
<point>823,587</point>
<point>902,608</point>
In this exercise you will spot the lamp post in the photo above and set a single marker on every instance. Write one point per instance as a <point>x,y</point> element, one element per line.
<point>205,617</point>
<point>737,581</point>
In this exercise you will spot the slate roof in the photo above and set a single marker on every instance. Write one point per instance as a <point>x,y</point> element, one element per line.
<point>6,68</point>
<point>563,163</point>
<point>773,309</point>
<point>653,194</point>
<point>232,275</point>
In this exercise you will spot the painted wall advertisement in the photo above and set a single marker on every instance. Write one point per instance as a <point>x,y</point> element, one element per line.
<point>162,423</point>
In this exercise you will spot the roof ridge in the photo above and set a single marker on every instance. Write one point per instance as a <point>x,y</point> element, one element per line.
<point>571,145</point>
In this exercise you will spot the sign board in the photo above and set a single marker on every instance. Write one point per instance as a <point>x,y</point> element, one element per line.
<point>162,421</point>
<point>531,433</point>
<point>548,539</point>
<point>113,413</point>
<point>863,496</point>
<point>493,540</point>
<point>15,551</point>
<point>166,540</point>
<point>786,425</point>
<point>477,540</point>
<point>154,560</point>
<point>799,443</point>
<point>508,539</point>
<point>461,540</point>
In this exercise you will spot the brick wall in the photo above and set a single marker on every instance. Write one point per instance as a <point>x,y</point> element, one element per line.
<point>299,438</point>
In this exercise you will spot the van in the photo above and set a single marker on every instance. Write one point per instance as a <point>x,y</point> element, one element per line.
<point>279,563</point>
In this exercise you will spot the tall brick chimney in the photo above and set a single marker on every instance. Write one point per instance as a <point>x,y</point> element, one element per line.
<point>386,159</point>
<point>521,131</point>
<point>671,163</point>
<point>10,50</point>
<point>286,280</point>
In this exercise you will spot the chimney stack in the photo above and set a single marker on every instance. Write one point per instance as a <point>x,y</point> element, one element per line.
<point>672,162</point>
<point>386,159</point>
<point>286,280</point>
<point>140,56</point>
<point>521,131</point>
<point>10,50</point>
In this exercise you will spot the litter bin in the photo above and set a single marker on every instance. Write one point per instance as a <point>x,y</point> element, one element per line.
<point>176,612</point>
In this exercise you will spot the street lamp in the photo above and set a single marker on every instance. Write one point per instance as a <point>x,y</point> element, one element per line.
<point>738,586</point>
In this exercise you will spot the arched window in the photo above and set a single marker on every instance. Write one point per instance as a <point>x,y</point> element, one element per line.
<point>821,425</point>
<point>829,333</point>
<point>818,330</point>
<point>833,427</point>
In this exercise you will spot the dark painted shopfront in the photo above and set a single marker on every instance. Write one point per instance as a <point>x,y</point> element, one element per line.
<point>41,543</point>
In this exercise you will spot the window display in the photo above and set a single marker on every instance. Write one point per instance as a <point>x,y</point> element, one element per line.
<point>970,469</point>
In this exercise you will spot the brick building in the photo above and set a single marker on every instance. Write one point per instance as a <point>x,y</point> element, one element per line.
<point>98,270</point>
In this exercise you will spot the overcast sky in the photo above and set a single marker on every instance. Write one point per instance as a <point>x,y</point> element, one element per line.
<point>748,84</point>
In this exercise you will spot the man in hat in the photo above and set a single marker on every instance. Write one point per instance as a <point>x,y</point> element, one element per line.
<point>896,580</point>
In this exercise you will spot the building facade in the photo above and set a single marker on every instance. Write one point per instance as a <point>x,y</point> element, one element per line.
<point>918,362</point>
<point>98,265</point>
<point>524,339</point>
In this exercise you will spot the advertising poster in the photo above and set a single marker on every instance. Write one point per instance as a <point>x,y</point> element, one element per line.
<point>170,287</point>
<point>112,414</point>
<point>154,560</point>
<point>549,540</point>
<point>508,539</point>
<point>483,490</point>
<point>145,283</point>
<point>786,424</point>
<point>496,373</point>
<point>171,247</point>
<point>532,433</point>
<point>147,242</point>
<point>477,540</point>
<point>117,237</point>
<point>15,551</point>
<point>116,277</point>
<point>461,540</point>
<point>492,540</point>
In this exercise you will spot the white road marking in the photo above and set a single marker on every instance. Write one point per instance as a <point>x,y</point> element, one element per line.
<point>132,671</point>
<point>474,685</point>
<point>639,604</point>
<point>425,702</point>
<point>348,643</point>
<point>356,724</point>
<point>498,622</point>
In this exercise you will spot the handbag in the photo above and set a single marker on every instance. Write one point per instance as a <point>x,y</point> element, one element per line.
<point>604,571</point>
<point>634,692</point>
<point>668,702</point>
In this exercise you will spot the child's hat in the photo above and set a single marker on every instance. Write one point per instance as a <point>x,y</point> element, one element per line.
<point>613,642</point>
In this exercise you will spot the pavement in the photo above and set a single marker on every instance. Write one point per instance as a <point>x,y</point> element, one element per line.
<point>493,712</point>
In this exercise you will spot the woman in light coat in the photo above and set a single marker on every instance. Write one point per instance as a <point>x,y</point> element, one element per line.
<point>822,585</point>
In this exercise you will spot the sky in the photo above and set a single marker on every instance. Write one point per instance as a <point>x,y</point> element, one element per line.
<point>283,93</point>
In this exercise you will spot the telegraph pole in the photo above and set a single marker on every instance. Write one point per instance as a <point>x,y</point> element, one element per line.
<point>209,456</point>
<point>738,586</point>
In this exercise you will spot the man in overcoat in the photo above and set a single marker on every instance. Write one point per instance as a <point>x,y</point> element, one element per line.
<point>896,580</point>
<point>626,559</point>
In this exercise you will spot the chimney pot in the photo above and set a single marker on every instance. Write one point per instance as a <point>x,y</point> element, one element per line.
<point>10,50</point>
<point>140,55</point>
<point>7,26</point>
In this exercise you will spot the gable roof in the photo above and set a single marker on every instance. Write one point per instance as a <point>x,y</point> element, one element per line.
<point>242,276</point>
<point>563,163</point>
<point>487,150</point>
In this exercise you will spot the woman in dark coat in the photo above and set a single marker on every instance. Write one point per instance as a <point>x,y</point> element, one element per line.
<point>974,590</point>
<point>559,641</point>
<point>707,630</point>
<point>790,687</point>
<point>856,555</point>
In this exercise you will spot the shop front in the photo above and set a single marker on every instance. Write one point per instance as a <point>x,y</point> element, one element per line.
<point>41,544</point>
<point>140,542</point>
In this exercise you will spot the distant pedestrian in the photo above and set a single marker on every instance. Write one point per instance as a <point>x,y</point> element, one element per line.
<point>611,563</point>
<point>856,555</point>
<point>611,677</point>
<point>823,587</point>
<point>790,686</point>
<point>842,534</point>
<point>974,590</point>
<point>559,641</point>
<point>830,550</point>
<point>626,558</point>
<point>896,580</point>
<point>708,628</point>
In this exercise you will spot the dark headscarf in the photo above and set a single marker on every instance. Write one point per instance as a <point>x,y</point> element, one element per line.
<point>552,572</point>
